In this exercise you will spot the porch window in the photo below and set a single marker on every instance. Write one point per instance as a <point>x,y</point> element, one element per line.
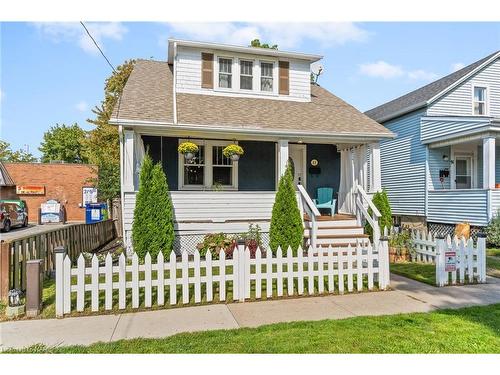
<point>225,72</point>
<point>266,76</point>
<point>480,101</point>
<point>222,167</point>
<point>246,75</point>
<point>194,169</point>
<point>463,175</point>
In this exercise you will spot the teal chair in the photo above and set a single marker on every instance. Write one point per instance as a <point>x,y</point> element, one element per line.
<point>325,199</point>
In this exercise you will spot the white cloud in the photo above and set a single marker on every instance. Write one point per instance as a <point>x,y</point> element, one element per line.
<point>382,69</point>
<point>285,35</point>
<point>82,106</point>
<point>457,66</point>
<point>75,33</point>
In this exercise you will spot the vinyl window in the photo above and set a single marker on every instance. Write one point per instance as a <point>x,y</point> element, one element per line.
<point>225,72</point>
<point>266,76</point>
<point>480,96</point>
<point>246,75</point>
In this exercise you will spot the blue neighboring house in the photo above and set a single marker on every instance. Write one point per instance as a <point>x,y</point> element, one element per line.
<point>443,167</point>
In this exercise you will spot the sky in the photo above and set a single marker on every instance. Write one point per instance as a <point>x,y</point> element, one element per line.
<point>51,73</point>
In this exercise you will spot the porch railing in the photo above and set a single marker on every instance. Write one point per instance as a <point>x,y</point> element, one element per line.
<point>307,206</point>
<point>362,202</point>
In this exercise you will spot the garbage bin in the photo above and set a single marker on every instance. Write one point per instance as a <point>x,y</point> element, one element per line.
<point>95,212</point>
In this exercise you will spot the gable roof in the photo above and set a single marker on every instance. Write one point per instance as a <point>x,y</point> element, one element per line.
<point>5,179</point>
<point>147,97</point>
<point>426,94</point>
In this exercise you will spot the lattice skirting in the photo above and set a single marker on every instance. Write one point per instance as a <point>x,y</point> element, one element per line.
<point>440,229</point>
<point>188,242</point>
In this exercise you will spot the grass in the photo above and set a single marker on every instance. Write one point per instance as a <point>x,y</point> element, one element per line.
<point>493,252</point>
<point>423,272</point>
<point>468,330</point>
<point>493,262</point>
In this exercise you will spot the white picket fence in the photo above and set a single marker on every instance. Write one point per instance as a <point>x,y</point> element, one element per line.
<point>467,262</point>
<point>334,270</point>
<point>424,245</point>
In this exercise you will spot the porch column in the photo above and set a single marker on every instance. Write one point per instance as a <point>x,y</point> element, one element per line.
<point>375,173</point>
<point>282,156</point>
<point>128,161</point>
<point>489,162</point>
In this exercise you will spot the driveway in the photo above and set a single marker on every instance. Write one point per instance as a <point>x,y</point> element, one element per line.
<point>30,230</point>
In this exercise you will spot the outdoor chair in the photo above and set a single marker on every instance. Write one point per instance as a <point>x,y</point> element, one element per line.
<point>325,199</point>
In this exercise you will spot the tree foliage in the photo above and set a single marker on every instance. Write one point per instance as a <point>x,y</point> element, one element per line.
<point>258,44</point>
<point>286,224</point>
<point>103,143</point>
<point>493,231</point>
<point>6,154</point>
<point>381,201</point>
<point>66,143</point>
<point>153,226</point>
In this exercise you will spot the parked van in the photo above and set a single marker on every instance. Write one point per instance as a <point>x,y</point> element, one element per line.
<point>13,213</point>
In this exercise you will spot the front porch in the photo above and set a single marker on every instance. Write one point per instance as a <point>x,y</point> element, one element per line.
<point>463,170</point>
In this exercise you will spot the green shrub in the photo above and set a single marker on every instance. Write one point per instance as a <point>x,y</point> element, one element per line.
<point>493,231</point>
<point>215,242</point>
<point>153,226</point>
<point>381,201</point>
<point>286,224</point>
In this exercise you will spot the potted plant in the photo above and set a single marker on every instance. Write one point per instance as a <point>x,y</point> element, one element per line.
<point>233,152</point>
<point>188,149</point>
<point>400,247</point>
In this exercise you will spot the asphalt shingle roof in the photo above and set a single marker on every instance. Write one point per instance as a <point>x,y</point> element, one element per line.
<point>422,94</point>
<point>148,96</point>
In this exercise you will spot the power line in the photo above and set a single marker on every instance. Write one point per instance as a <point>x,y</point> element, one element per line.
<point>97,45</point>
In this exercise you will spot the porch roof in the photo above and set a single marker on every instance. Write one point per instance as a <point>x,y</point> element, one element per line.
<point>147,98</point>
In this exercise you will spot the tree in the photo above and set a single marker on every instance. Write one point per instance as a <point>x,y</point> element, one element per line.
<point>286,224</point>
<point>153,225</point>
<point>256,43</point>
<point>381,201</point>
<point>103,143</point>
<point>66,143</point>
<point>19,156</point>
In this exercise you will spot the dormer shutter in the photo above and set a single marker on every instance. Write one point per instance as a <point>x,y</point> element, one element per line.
<point>207,70</point>
<point>284,77</point>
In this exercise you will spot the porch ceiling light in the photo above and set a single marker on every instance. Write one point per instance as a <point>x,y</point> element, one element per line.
<point>446,158</point>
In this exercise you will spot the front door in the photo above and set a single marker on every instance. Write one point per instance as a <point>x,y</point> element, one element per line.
<point>463,172</point>
<point>297,158</point>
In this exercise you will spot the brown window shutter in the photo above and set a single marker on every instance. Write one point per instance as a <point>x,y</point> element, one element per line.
<point>284,77</point>
<point>207,70</point>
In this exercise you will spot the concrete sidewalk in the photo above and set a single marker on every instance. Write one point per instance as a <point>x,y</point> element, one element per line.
<point>407,296</point>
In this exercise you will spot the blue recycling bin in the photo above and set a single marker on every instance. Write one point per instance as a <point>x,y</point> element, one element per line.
<point>95,212</point>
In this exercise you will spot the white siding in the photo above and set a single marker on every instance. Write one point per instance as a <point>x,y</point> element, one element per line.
<point>458,102</point>
<point>188,71</point>
<point>403,162</point>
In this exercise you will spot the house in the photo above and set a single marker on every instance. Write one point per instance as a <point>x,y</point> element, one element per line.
<point>443,166</point>
<point>263,100</point>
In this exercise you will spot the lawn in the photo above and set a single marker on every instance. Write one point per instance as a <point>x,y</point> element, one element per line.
<point>423,272</point>
<point>493,262</point>
<point>468,330</point>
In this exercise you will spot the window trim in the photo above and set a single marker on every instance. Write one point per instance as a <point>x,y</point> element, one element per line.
<point>486,101</point>
<point>208,170</point>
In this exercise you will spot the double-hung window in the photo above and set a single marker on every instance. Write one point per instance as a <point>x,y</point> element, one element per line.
<point>225,72</point>
<point>480,100</point>
<point>246,75</point>
<point>194,169</point>
<point>266,76</point>
<point>222,168</point>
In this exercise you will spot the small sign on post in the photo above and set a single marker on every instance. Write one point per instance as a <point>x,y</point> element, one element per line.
<point>450,264</point>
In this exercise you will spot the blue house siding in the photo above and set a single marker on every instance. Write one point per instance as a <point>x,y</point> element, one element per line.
<point>434,129</point>
<point>480,165</point>
<point>403,162</point>
<point>257,167</point>
<point>437,163</point>
<point>328,171</point>
<point>456,206</point>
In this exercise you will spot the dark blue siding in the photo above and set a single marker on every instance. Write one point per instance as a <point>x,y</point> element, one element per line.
<point>329,163</point>
<point>169,159</point>
<point>257,167</point>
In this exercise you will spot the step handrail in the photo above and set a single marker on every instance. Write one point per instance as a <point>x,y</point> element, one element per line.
<point>308,205</point>
<point>361,198</point>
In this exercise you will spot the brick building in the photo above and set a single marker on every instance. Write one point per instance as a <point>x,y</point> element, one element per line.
<point>38,182</point>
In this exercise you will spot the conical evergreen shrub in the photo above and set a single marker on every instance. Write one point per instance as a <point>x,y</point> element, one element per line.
<point>381,201</point>
<point>153,225</point>
<point>286,224</point>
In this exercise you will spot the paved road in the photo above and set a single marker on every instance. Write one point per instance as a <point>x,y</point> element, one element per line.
<point>30,230</point>
<point>407,296</point>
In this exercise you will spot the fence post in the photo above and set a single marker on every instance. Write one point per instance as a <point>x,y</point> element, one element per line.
<point>440,260</point>
<point>241,270</point>
<point>4,270</point>
<point>383,254</point>
<point>481,256</point>
<point>60,252</point>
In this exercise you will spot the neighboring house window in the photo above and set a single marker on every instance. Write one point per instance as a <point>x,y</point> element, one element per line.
<point>222,167</point>
<point>246,75</point>
<point>225,72</point>
<point>480,101</point>
<point>266,76</point>
<point>194,169</point>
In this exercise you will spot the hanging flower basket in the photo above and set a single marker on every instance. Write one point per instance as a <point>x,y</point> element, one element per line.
<point>188,149</point>
<point>233,152</point>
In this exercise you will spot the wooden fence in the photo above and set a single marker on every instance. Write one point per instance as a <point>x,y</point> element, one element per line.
<point>75,238</point>
<point>195,279</point>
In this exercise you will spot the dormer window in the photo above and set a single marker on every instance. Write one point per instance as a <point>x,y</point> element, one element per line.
<point>225,72</point>
<point>246,75</point>
<point>266,76</point>
<point>480,94</point>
